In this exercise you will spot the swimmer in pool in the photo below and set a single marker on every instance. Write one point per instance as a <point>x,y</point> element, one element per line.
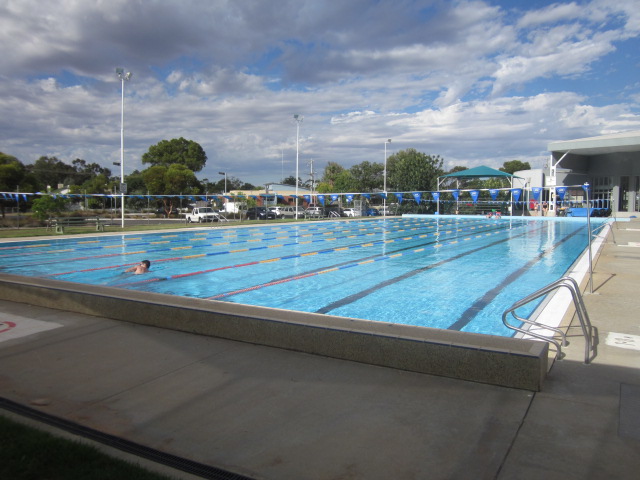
<point>142,267</point>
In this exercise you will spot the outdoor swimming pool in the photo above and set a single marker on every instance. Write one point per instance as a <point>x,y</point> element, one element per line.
<point>455,273</point>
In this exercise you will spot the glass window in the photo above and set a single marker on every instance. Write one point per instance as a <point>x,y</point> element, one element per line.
<point>623,198</point>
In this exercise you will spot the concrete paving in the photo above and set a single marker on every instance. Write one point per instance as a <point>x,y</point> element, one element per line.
<point>267,413</point>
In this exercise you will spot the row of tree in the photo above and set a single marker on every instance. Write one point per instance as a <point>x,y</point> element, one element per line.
<point>173,165</point>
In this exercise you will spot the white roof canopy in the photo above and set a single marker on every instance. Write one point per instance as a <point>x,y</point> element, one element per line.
<point>614,143</point>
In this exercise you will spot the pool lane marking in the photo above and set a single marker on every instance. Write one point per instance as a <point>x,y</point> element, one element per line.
<point>325,270</point>
<point>227,252</point>
<point>227,234</point>
<point>120,245</point>
<point>171,277</point>
<point>363,293</point>
<point>470,313</point>
<point>199,246</point>
<point>160,250</point>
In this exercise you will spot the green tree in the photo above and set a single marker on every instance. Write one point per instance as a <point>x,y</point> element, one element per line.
<point>457,169</point>
<point>12,171</point>
<point>175,179</point>
<point>514,166</point>
<point>324,187</point>
<point>13,174</point>
<point>86,171</point>
<point>176,151</point>
<point>367,176</point>
<point>180,179</point>
<point>410,170</point>
<point>331,172</point>
<point>47,205</point>
<point>290,180</point>
<point>49,171</point>
<point>345,182</point>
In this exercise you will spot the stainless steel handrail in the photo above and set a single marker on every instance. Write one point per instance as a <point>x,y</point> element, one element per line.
<point>581,311</point>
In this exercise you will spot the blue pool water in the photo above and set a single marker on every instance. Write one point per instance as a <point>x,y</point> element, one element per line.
<point>448,272</point>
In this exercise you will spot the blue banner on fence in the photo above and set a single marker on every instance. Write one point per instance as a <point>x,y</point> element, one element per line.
<point>399,197</point>
<point>307,198</point>
<point>561,191</point>
<point>349,197</point>
<point>516,194</point>
<point>417,196</point>
<point>456,194</point>
<point>334,197</point>
<point>435,195</point>
<point>494,193</point>
<point>474,195</point>
<point>321,199</point>
<point>536,193</point>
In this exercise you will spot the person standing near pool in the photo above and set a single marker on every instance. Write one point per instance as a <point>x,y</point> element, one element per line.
<point>142,267</point>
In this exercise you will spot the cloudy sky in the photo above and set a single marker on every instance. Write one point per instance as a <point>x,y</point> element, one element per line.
<point>476,82</point>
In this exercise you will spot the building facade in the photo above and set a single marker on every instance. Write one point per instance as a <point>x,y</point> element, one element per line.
<point>610,164</point>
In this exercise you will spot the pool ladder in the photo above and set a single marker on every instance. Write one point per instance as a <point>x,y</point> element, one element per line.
<point>581,311</point>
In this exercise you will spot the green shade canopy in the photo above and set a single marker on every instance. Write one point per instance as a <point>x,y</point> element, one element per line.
<point>479,172</point>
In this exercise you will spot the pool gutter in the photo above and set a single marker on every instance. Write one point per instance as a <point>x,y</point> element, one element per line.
<point>510,362</point>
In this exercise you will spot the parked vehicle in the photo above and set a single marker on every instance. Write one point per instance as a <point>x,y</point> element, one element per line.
<point>278,211</point>
<point>231,207</point>
<point>352,212</point>
<point>202,214</point>
<point>260,213</point>
<point>315,212</point>
<point>372,212</point>
<point>290,212</point>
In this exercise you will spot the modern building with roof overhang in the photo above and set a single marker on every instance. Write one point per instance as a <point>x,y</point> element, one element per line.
<point>609,163</point>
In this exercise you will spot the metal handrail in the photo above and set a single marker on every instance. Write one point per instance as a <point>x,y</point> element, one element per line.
<point>583,316</point>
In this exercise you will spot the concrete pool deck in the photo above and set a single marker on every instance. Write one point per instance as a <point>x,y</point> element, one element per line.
<point>269,413</point>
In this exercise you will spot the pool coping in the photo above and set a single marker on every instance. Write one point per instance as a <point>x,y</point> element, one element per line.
<point>510,362</point>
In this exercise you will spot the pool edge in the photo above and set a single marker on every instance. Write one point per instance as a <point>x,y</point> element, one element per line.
<point>510,362</point>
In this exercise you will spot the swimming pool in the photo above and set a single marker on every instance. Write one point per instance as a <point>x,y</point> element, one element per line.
<point>456,273</point>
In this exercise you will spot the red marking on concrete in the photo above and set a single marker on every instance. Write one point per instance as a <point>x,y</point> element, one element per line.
<point>5,326</point>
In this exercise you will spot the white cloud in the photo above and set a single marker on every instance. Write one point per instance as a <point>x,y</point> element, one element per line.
<point>472,81</point>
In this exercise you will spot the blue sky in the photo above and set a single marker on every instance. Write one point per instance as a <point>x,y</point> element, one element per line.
<point>476,82</point>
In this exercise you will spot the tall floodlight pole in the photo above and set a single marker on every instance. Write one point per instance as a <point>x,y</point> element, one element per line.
<point>298,119</point>
<point>384,200</point>
<point>123,187</point>
<point>225,181</point>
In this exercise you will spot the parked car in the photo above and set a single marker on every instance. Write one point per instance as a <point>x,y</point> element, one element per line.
<point>352,212</point>
<point>290,212</point>
<point>260,213</point>
<point>372,212</point>
<point>278,211</point>
<point>315,212</point>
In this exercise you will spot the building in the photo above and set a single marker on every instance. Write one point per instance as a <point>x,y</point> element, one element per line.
<point>277,194</point>
<point>610,164</point>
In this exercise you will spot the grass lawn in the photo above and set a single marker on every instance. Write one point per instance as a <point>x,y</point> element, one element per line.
<point>31,454</point>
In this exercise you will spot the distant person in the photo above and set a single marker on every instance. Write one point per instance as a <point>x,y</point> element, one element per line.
<point>545,208</point>
<point>142,267</point>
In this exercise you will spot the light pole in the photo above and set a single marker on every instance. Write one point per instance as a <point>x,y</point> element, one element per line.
<point>225,181</point>
<point>384,200</point>
<point>298,119</point>
<point>123,186</point>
